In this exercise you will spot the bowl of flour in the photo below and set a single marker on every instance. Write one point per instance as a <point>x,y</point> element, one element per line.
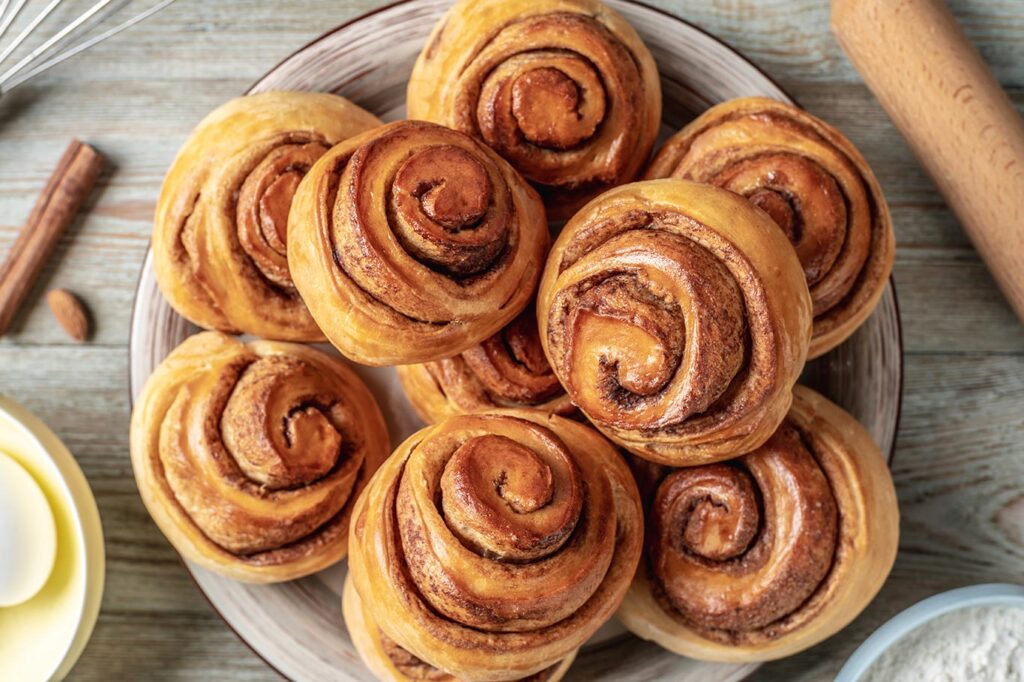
<point>971,633</point>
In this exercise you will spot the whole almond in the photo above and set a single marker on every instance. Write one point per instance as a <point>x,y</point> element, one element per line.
<point>70,313</point>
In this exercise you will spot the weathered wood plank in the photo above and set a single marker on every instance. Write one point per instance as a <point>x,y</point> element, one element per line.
<point>789,38</point>
<point>947,298</point>
<point>959,468</point>
<point>167,646</point>
<point>959,464</point>
<point>100,256</point>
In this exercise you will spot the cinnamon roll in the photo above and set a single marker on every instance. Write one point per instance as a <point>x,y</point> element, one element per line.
<point>391,663</point>
<point>249,457</point>
<point>677,318</point>
<point>219,235</point>
<point>491,546</point>
<point>765,556</point>
<point>507,370</point>
<point>413,242</point>
<point>814,184</point>
<point>563,89</point>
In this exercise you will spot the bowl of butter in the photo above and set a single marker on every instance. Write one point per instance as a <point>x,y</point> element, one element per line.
<point>51,551</point>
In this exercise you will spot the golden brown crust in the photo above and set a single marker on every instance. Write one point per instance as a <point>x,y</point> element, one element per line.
<point>507,370</point>
<point>249,457</point>
<point>763,557</point>
<point>413,242</point>
<point>219,234</point>
<point>563,89</point>
<point>815,185</point>
<point>493,545</point>
<point>391,663</point>
<point>677,318</point>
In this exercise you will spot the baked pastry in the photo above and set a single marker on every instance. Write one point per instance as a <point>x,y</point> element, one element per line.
<point>507,370</point>
<point>413,242</point>
<point>565,90</point>
<point>249,457</point>
<point>219,233</point>
<point>391,663</point>
<point>760,558</point>
<point>814,183</point>
<point>492,545</point>
<point>677,318</point>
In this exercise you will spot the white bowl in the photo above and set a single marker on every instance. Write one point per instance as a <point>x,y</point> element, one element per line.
<point>903,623</point>
<point>42,638</point>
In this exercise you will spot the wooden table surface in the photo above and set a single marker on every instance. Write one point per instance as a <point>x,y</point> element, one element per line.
<point>959,465</point>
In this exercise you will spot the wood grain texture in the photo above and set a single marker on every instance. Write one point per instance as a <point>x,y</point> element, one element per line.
<point>960,451</point>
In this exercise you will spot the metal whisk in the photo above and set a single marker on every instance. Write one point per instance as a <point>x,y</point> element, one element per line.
<point>58,47</point>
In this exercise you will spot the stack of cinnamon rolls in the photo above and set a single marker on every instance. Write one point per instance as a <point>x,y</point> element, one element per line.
<point>614,421</point>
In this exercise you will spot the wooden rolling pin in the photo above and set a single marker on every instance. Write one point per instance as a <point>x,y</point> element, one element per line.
<point>958,121</point>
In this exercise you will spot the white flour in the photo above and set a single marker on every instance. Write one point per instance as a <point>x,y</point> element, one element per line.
<point>984,643</point>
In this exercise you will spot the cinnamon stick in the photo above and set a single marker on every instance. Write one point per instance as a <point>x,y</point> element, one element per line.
<point>65,192</point>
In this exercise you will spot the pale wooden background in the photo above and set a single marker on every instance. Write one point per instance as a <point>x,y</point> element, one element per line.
<point>959,464</point>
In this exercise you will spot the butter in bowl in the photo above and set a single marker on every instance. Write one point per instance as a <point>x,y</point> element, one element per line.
<point>28,535</point>
<point>51,551</point>
<point>970,633</point>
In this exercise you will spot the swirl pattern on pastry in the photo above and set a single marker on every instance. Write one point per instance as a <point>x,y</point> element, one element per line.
<point>413,242</point>
<point>219,238</point>
<point>565,90</point>
<point>814,184</point>
<point>677,318</point>
<point>769,554</point>
<point>391,663</point>
<point>249,457</point>
<point>507,370</point>
<point>493,545</point>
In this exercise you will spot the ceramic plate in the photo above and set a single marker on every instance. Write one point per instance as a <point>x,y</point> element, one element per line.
<point>297,627</point>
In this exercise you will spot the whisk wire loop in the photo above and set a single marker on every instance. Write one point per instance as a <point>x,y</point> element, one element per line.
<point>50,53</point>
